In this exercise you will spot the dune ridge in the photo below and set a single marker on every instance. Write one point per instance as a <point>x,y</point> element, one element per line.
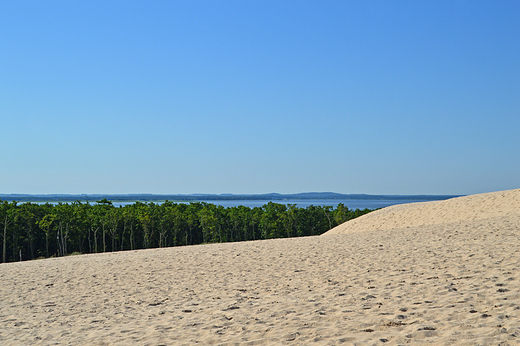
<point>460,209</point>
<point>436,273</point>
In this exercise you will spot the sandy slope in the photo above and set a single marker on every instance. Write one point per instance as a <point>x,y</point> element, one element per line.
<point>461,209</point>
<point>453,282</point>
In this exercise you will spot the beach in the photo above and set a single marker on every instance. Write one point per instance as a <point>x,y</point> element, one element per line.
<point>432,273</point>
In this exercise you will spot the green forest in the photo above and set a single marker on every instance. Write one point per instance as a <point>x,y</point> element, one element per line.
<point>31,231</point>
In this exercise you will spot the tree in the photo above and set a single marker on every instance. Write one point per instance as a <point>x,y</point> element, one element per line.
<point>6,218</point>
<point>102,209</point>
<point>289,219</point>
<point>129,219</point>
<point>209,223</point>
<point>341,214</point>
<point>271,221</point>
<point>327,211</point>
<point>45,225</point>
<point>143,215</point>
<point>64,219</point>
<point>192,220</point>
<point>28,215</point>
<point>113,221</point>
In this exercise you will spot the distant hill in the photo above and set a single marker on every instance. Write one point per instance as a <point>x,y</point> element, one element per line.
<point>54,198</point>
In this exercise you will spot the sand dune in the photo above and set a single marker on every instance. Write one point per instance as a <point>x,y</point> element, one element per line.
<point>462,210</point>
<point>439,273</point>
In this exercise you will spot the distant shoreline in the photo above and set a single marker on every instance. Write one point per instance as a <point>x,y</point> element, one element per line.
<point>55,198</point>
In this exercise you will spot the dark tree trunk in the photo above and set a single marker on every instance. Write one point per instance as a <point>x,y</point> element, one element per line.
<point>5,239</point>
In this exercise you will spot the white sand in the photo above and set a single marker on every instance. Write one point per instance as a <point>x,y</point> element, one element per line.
<point>438,278</point>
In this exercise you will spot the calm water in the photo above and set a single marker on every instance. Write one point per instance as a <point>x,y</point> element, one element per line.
<point>350,203</point>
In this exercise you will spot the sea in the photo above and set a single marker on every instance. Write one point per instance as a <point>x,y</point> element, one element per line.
<point>304,203</point>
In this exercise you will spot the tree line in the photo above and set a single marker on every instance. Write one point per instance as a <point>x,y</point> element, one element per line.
<point>31,230</point>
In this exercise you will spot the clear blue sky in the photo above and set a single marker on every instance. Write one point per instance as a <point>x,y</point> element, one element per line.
<point>377,97</point>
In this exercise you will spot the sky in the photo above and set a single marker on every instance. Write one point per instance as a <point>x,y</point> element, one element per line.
<point>181,97</point>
